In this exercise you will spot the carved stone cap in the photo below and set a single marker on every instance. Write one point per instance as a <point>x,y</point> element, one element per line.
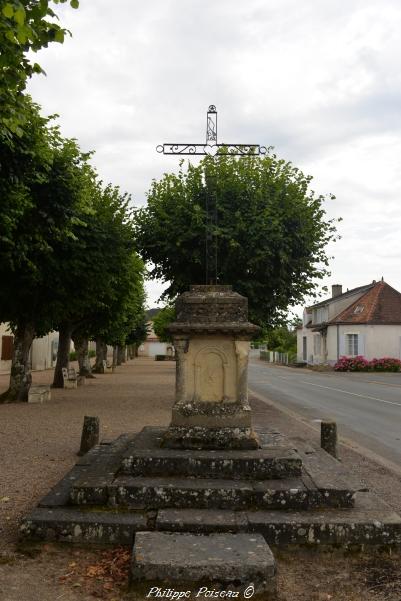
<point>213,309</point>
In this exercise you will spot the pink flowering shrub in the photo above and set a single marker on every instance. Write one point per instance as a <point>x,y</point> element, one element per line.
<point>386,364</point>
<point>359,363</point>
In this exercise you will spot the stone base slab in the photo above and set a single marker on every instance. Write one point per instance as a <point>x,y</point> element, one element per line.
<point>144,457</point>
<point>198,437</point>
<point>213,493</point>
<point>370,522</point>
<point>207,414</point>
<point>219,561</point>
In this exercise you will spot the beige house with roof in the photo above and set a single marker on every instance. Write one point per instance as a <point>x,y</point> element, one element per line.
<point>363,321</point>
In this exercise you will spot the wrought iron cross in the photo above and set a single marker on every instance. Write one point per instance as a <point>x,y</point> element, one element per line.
<point>211,148</point>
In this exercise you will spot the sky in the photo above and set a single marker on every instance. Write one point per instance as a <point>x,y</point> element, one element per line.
<point>318,80</point>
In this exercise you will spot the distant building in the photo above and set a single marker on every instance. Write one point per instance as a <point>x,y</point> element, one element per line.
<point>152,345</point>
<point>43,351</point>
<point>363,321</point>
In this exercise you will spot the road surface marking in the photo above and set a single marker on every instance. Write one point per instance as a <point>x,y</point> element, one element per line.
<point>363,396</point>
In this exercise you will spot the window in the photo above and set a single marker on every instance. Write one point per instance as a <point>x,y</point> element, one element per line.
<point>316,344</point>
<point>352,344</point>
<point>304,348</point>
<point>359,308</point>
<point>7,347</point>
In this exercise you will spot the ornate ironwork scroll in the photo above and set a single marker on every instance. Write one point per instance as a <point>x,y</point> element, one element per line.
<point>211,148</point>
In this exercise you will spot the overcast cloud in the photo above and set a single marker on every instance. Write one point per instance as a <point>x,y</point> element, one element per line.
<point>318,80</point>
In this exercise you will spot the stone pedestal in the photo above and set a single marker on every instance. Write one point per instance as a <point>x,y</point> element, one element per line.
<point>211,336</point>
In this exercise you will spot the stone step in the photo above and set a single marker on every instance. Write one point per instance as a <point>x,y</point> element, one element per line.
<point>370,522</point>
<point>239,563</point>
<point>244,465</point>
<point>138,492</point>
<point>144,457</point>
<point>72,525</point>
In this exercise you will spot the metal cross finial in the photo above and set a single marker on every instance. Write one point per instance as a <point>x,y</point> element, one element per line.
<point>211,147</point>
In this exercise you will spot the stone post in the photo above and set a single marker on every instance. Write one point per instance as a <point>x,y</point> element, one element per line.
<point>90,434</point>
<point>328,437</point>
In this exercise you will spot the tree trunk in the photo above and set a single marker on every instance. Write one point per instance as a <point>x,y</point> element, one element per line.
<point>63,353</point>
<point>20,376</point>
<point>123,354</point>
<point>81,345</point>
<point>115,353</point>
<point>101,355</point>
<point>119,355</point>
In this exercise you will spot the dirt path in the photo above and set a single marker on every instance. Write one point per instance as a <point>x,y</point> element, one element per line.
<point>39,443</point>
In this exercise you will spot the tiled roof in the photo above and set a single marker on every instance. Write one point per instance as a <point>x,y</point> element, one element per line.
<point>343,295</point>
<point>381,304</point>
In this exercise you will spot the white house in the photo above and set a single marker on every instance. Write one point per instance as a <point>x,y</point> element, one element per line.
<point>152,345</point>
<point>43,351</point>
<point>363,321</point>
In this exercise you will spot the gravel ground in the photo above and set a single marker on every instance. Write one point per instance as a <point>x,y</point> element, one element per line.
<point>39,443</point>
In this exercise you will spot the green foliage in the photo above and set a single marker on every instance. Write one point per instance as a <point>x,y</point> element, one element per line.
<point>139,332</point>
<point>282,339</point>
<point>271,228</point>
<point>44,187</point>
<point>161,321</point>
<point>103,259</point>
<point>67,252</point>
<point>25,25</point>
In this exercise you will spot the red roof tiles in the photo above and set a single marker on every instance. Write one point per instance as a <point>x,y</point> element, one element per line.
<point>379,305</point>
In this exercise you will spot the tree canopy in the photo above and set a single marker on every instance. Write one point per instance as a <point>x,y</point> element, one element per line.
<point>67,256</point>
<point>162,320</point>
<point>271,229</point>
<point>25,25</point>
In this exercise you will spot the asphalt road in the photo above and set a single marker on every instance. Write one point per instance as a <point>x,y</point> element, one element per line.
<point>366,407</point>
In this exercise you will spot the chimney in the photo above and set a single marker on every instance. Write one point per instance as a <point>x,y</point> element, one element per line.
<point>336,290</point>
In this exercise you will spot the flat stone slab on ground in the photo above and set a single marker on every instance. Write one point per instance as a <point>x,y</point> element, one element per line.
<point>239,560</point>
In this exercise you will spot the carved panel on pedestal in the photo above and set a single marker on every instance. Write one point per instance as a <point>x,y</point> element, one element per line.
<point>210,374</point>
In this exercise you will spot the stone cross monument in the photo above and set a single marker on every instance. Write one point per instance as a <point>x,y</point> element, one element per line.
<point>211,336</point>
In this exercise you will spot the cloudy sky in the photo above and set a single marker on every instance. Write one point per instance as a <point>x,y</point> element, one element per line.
<point>320,80</point>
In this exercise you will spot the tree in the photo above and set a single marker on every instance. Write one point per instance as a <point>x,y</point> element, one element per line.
<point>39,211</point>
<point>271,229</point>
<point>161,321</point>
<point>282,339</point>
<point>97,276</point>
<point>25,25</point>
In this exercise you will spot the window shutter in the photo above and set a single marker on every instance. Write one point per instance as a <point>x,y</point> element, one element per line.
<point>361,344</point>
<point>342,345</point>
<point>7,348</point>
